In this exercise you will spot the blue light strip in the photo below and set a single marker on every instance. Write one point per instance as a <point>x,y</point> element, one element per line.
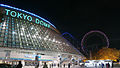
<point>19,59</point>
<point>30,59</point>
<point>2,5</point>
<point>69,35</point>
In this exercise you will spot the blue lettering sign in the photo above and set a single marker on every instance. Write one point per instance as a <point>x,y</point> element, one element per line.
<point>7,10</point>
<point>13,13</point>
<point>45,25</point>
<point>29,18</point>
<point>19,15</point>
<point>41,22</point>
<point>37,21</point>
<point>48,26</point>
<point>24,16</point>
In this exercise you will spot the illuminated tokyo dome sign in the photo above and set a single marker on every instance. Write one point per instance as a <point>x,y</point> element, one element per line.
<point>25,17</point>
<point>22,14</point>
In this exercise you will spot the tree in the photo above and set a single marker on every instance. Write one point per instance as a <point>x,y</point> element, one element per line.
<point>107,53</point>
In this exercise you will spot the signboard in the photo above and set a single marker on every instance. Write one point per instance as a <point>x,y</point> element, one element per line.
<point>47,58</point>
<point>27,17</point>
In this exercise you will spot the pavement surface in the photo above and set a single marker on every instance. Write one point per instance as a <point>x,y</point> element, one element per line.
<point>88,67</point>
<point>83,67</point>
<point>76,66</point>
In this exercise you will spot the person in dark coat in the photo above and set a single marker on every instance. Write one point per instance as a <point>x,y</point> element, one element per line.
<point>69,65</point>
<point>52,65</point>
<point>64,65</point>
<point>108,65</point>
<point>45,65</point>
<point>102,65</point>
<point>58,65</point>
<point>19,65</point>
<point>112,65</point>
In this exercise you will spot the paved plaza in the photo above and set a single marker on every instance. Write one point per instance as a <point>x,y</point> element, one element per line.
<point>76,66</point>
<point>79,67</point>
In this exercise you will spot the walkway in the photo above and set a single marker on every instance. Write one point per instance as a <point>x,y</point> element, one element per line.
<point>76,66</point>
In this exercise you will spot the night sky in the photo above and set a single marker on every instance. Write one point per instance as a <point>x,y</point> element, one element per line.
<point>77,16</point>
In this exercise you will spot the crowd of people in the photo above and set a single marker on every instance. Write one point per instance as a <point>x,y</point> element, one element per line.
<point>102,65</point>
<point>45,65</point>
<point>60,65</point>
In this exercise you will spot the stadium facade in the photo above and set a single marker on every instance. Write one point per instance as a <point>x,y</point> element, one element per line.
<point>24,35</point>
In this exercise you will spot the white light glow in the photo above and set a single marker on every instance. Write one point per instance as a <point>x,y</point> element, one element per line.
<point>53,40</point>
<point>13,32</point>
<point>21,33</point>
<point>49,39</point>
<point>39,37</point>
<point>34,36</point>
<point>45,38</point>
<point>31,28</point>
<point>22,28</point>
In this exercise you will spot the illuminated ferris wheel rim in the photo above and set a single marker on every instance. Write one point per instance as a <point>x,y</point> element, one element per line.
<point>94,31</point>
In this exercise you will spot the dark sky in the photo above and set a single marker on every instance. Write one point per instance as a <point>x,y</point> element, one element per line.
<point>77,16</point>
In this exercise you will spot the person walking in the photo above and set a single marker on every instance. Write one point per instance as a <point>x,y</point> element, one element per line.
<point>69,65</point>
<point>45,65</point>
<point>19,65</point>
<point>95,65</point>
<point>58,65</point>
<point>102,65</point>
<point>64,65</point>
<point>107,65</point>
<point>112,65</point>
<point>52,65</point>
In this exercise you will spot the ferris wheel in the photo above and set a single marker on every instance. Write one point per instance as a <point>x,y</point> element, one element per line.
<point>93,41</point>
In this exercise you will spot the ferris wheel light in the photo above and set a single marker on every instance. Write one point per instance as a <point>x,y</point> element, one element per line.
<point>94,31</point>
